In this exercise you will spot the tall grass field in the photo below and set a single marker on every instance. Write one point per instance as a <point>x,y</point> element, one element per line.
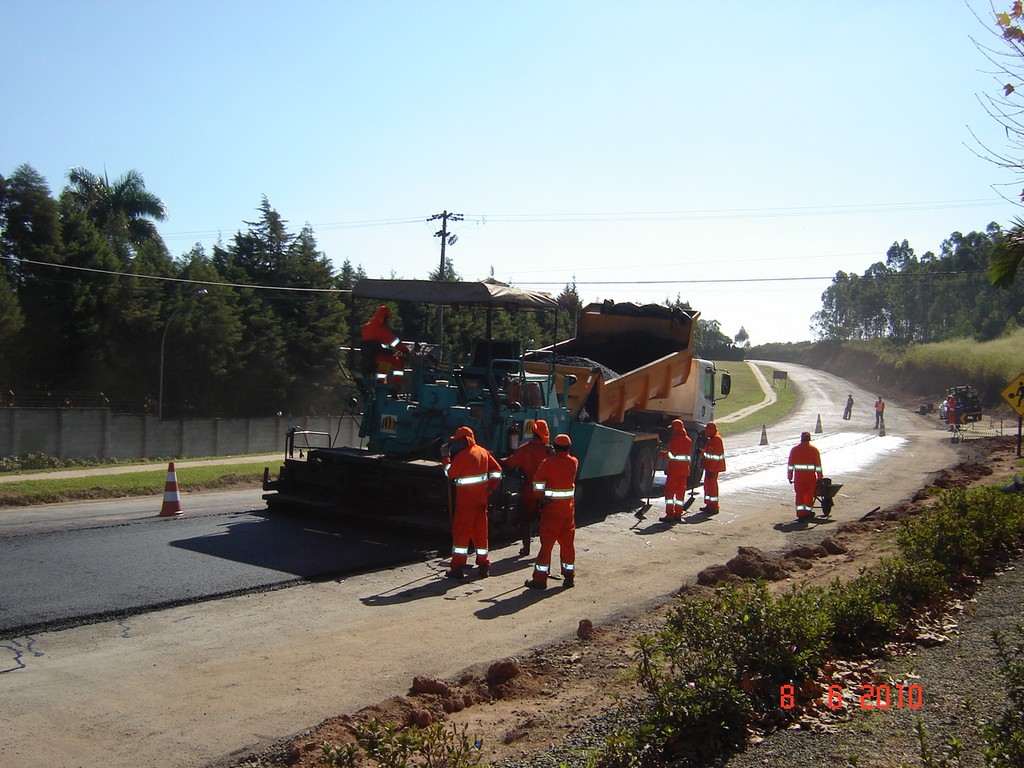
<point>1000,359</point>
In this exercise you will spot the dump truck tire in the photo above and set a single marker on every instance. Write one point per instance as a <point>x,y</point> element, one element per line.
<point>642,482</point>
<point>620,485</point>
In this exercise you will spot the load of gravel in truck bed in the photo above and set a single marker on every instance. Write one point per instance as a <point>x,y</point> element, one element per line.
<point>574,361</point>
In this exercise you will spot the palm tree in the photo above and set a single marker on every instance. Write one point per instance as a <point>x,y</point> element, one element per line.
<point>1007,256</point>
<point>124,211</point>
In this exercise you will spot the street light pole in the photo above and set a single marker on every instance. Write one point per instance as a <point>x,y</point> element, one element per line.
<point>163,343</point>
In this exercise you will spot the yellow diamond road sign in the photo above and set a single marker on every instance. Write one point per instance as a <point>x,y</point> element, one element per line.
<point>1014,395</point>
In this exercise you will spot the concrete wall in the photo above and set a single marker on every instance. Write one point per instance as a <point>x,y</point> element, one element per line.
<point>84,433</point>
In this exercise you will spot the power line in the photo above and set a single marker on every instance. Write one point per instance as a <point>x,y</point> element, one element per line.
<point>560,283</point>
<point>901,275</point>
<point>737,213</point>
<point>580,217</point>
<point>161,278</point>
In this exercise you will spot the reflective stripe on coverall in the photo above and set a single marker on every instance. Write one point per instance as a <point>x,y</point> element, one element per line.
<point>714,463</point>
<point>476,475</point>
<point>677,474</point>
<point>556,479</point>
<point>803,471</point>
<point>387,360</point>
<point>528,457</point>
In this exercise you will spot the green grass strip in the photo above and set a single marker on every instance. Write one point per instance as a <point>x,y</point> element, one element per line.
<point>42,490</point>
<point>746,391</point>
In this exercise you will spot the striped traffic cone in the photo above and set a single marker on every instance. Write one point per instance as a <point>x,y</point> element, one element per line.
<point>172,500</point>
<point>764,435</point>
<point>817,427</point>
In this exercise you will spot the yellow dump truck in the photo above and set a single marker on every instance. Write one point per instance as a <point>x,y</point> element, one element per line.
<point>632,367</point>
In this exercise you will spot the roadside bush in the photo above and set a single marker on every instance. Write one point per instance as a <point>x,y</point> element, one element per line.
<point>1004,736</point>
<point>435,746</point>
<point>968,532</point>
<point>29,461</point>
<point>774,639</point>
<point>696,710</point>
<point>910,586</point>
<point>41,460</point>
<point>999,517</point>
<point>718,664</point>
<point>861,618</point>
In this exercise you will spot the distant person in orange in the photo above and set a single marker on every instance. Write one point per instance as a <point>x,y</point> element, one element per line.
<point>382,346</point>
<point>714,463</point>
<point>951,412</point>
<point>476,474</point>
<point>528,457</point>
<point>804,472</point>
<point>677,472</point>
<point>556,480</point>
<point>879,413</point>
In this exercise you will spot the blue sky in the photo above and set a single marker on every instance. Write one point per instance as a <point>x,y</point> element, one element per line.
<point>645,150</point>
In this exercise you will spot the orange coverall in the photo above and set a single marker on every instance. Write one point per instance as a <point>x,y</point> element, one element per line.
<point>476,475</point>
<point>528,457</point>
<point>556,479</point>
<point>804,471</point>
<point>714,462</point>
<point>387,360</point>
<point>678,472</point>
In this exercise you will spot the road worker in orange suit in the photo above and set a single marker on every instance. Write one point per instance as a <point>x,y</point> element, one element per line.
<point>476,474</point>
<point>804,472</point>
<point>528,457</point>
<point>713,454</point>
<point>556,480</point>
<point>677,472</point>
<point>951,412</point>
<point>382,346</point>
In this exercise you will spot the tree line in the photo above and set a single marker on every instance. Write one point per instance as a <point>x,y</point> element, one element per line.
<point>911,299</point>
<point>95,311</point>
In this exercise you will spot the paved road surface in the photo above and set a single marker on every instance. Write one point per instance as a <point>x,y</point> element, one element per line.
<point>184,686</point>
<point>111,569</point>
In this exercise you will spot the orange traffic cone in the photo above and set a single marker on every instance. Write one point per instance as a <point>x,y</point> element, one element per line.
<point>172,501</point>
<point>764,436</point>
<point>817,427</point>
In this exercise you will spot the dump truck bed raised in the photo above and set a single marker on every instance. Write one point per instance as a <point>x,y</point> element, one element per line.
<point>628,360</point>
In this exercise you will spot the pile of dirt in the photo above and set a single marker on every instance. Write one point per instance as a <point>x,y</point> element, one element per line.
<point>428,701</point>
<point>751,564</point>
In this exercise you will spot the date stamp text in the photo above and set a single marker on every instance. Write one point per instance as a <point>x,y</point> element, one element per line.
<point>867,696</point>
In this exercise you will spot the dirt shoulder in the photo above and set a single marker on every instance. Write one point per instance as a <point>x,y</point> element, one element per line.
<point>523,707</point>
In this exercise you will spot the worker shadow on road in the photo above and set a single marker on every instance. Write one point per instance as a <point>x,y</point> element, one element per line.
<point>658,525</point>
<point>802,525</point>
<point>514,600</point>
<point>697,518</point>
<point>511,564</point>
<point>652,527</point>
<point>435,584</point>
<point>431,585</point>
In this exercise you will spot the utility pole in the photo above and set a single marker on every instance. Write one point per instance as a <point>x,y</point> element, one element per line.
<point>444,216</point>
